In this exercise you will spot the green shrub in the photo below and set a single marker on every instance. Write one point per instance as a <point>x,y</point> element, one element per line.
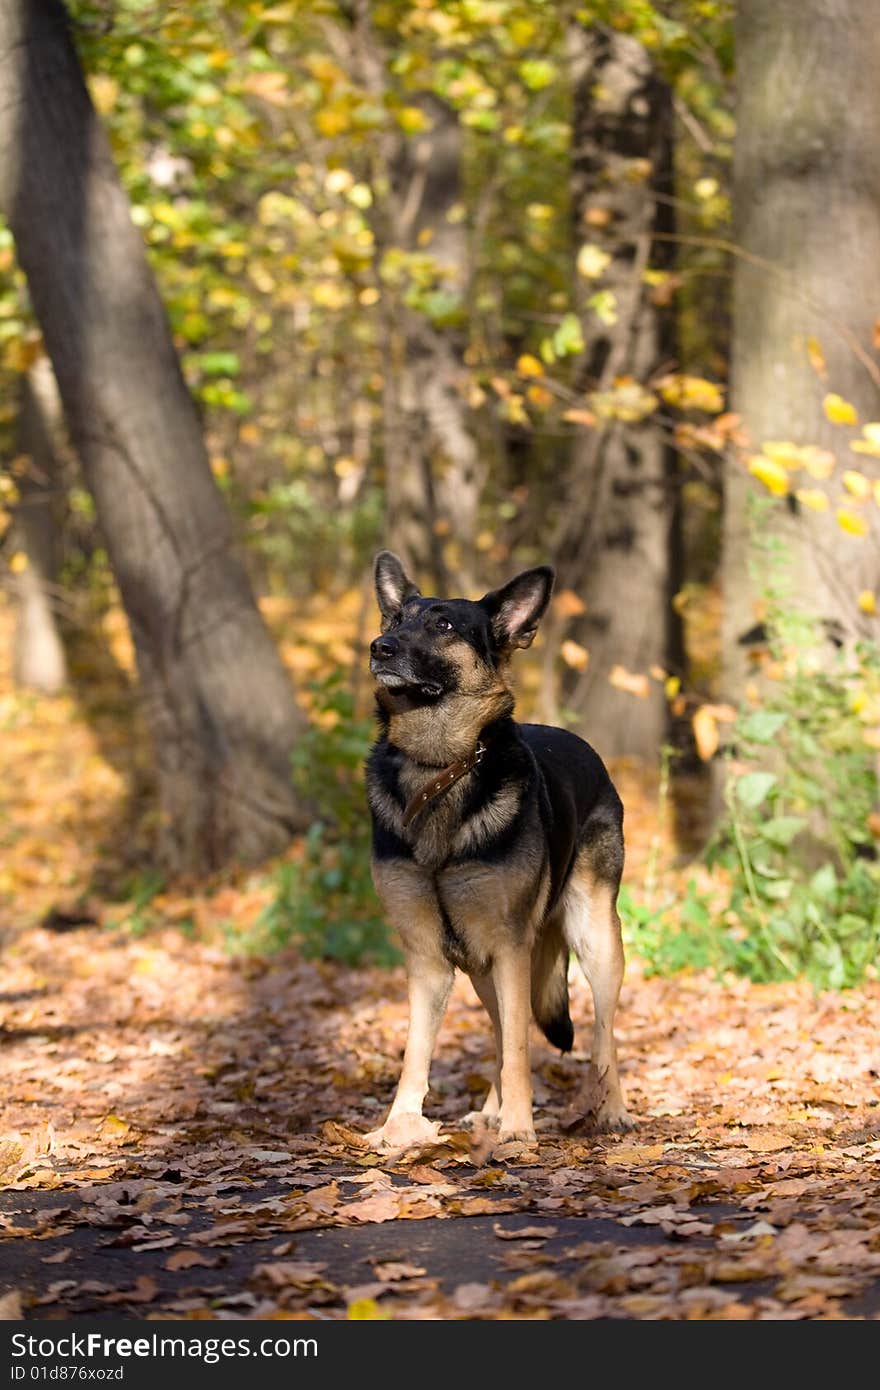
<point>801,784</point>
<point>797,887</point>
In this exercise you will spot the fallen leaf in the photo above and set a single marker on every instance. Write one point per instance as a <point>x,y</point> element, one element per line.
<point>10,1306</point>
<point>523,1232</point>
<point>187,1259</point>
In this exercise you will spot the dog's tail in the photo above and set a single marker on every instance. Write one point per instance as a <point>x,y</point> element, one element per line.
<point>550,987</point>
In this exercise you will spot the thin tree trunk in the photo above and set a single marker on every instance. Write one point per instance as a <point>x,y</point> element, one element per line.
<point>433,469</point>
<point>807,196</point>
<point>433,473</point>
<point>219,705</point>
<point>618,533</point>
<point>38,656</point>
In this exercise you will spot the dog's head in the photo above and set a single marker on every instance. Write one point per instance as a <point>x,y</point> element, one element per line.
<point>432,648</point>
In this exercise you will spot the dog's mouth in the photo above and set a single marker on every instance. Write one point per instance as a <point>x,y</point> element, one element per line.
<point>397,683</point>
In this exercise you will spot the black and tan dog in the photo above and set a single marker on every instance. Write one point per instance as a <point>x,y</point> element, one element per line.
<point>497,846</point>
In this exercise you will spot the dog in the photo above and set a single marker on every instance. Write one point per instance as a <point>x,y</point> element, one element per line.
<point>497,847</point>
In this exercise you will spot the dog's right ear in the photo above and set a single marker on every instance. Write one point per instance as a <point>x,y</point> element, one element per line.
<point>393,586</point>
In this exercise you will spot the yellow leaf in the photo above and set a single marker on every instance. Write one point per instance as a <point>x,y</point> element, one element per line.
<point>817,357</point>
<point>839,411</point>
<point>771,474</point>
<point>574,655</point>
<point>791,456</point>
<point>870,441</point>
<point>706,735</point>
<point>851,522</point>
<point>867,602</point>
<point>529,366</point>
<point>514,410</point>
<point>812,498</point>
<point>671,686</point>
<point>332,120</point>
<point>112,1127</point>
<point>819,463</point>
<point>691,393</point>
<point>18,562</point>
<point>857,484</point>
<point>412,119</point>
<point>592,261</point>
<point>105,91</point>
<point>366,1310</point>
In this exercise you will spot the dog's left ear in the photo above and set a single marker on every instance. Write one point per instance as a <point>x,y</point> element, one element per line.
<point>393,585</point>
<point>517,608</point>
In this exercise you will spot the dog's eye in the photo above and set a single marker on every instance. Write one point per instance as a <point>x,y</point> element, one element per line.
<point>443,624</point>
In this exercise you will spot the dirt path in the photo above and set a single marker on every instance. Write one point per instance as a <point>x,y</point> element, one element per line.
<point>181,1138</point>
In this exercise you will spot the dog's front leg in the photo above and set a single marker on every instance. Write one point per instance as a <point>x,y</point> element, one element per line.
<point>429,981</point>
<point>510,976</point>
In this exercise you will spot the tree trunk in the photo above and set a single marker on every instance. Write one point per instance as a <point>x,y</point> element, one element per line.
<point>38,657</point>
<point>807,196</point>
<point>433,470</point>
<point>618,535</point>
<point>219,705</point>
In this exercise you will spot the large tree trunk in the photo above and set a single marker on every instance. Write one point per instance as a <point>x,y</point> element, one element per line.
<point>219,705</point>
<point>807,195</point>
<point>38,658</point>
<point>617,538</point>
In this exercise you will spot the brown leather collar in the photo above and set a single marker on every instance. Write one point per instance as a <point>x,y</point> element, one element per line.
<point>445,778</point>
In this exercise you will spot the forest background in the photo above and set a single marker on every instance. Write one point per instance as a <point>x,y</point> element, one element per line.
<point>494,284</point>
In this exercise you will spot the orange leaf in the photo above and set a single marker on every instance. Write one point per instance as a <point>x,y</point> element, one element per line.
<point>706,735</point>
<point>568,604</point>
<point>633,682</point>
<point>574,655</point>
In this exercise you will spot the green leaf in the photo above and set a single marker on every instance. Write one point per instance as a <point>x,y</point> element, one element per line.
<point>220,363</point>
<point>762,725</point>
<point>753,787</point>
<point>824,882</point>
<point>568,338</point>
<point>781,830</point>
<point>537,73</point>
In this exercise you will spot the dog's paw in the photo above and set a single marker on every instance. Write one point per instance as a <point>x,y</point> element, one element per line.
<point>479,1119</point>
<point>516,1136</point>
<point>614,1117</point>
<point>403,1132</point>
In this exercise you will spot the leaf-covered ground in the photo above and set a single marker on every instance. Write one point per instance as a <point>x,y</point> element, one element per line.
<point>181,1126</point>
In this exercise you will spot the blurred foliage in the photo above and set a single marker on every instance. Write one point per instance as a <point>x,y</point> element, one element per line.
<point>253,140</point>
<point>325,901</point>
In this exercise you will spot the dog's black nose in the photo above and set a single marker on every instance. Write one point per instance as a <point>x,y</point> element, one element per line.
<point>384,648</point>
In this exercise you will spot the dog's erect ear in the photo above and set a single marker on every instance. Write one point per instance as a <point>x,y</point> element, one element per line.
<point>517,608</point>
<point>393,585</point>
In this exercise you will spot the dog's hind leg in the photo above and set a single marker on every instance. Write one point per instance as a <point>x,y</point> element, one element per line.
<point>510,977</point>
<point>485,991</point>
<point>592,930</point>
